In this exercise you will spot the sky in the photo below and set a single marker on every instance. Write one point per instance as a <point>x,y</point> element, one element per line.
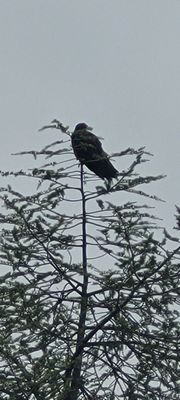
<point>113,64</point>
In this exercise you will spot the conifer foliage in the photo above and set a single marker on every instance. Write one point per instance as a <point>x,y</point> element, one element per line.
<point>89,283</point>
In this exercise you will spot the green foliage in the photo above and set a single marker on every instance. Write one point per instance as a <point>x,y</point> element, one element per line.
<point>115,319</point>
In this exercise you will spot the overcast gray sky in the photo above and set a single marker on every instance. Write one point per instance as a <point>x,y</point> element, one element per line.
<point>113,64</point>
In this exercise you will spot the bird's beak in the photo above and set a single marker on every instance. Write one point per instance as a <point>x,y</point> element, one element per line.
<point>89,128</point>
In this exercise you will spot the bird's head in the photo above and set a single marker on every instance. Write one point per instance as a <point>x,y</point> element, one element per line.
<point>82,126</point>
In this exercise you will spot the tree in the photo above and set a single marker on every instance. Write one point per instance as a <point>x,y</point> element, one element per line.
<point>89,289</point>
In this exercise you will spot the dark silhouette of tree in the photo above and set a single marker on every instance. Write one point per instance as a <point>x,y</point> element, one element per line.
<point>89,283</point>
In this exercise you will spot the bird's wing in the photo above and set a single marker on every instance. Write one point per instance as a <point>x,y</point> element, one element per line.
<point>92,140</point>
<point>86,145</point>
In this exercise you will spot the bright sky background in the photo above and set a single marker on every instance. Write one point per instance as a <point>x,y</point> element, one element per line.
<point>113,64</point>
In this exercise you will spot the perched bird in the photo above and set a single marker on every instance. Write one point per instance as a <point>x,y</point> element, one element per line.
<point>88,150</point>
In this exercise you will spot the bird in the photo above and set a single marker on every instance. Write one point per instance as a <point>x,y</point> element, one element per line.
<point>88,150</point>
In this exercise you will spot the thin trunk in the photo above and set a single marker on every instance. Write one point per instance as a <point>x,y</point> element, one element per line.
<point>73,373</point>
